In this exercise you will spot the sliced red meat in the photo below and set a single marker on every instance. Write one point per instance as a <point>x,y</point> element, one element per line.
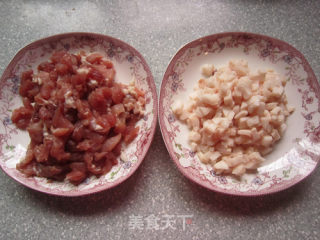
<point>48,171</point>
<point>79,78</point>
<point>97,100</point>
<point>85,145</point>
<point>120,126</point>
<point>41,153</point>
<point>27,103</point>
<point>111,119</point>
<point>111,157</point>
<point>100,124</point>
<point>28,159</point>
<point>36,132</point>
<point>53,76</point>
<point>107,73</point>
<point>107,63</point>
<point>46,66</point>
<point>28,88</point>
<point>76,177</point>
<point>29,169</point>
<point>27,75</point>
<point>131,133</point>
<point>62,68</point>
<point>78,172</point>
<point>57,56</point>
<point>117,149</point>
<point>117,94</point>
<point>96,75</point>
<point>78,132</point>
<point>57,150</point>
<point>60,121</point>
<point>94,58</point>
<point>83,107</point>
<point>111,143</point>
<point>117,109</point>
<point>21,117</point>
<point>47,85</point>
<point>93,168</point>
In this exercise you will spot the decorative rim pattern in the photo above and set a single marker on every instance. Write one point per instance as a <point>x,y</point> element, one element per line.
<point>267,49</point>
<point>124,56</point>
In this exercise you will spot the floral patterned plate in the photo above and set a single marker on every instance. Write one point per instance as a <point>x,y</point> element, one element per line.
<point>128,63</point>
<point>294,157</point>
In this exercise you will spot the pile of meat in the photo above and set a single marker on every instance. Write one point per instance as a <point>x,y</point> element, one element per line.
<point>235,116</point>
<point>77,116</point>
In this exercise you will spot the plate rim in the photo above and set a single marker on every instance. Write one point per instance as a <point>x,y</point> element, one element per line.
<point>314,83</point>
<point>149,80</point>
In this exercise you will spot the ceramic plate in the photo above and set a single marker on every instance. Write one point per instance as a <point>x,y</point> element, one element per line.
<point>294,157</point>
<point>128,63</point>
